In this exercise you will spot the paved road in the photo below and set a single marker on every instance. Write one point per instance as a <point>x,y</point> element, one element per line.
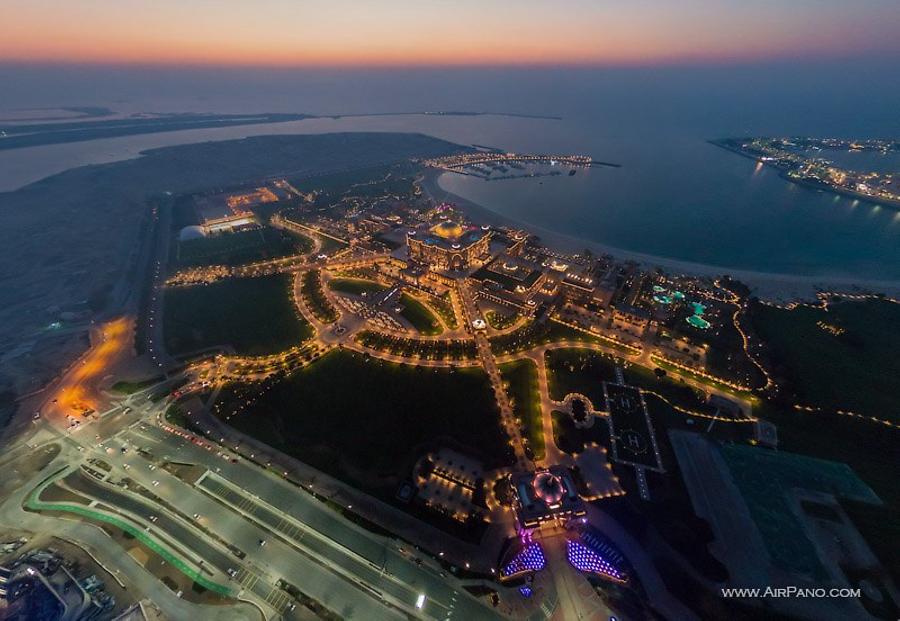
<point>332,540</point>
<point>259,571</point>
<point>114,556</point>
<point>481,557</point>
<point>374,582</point>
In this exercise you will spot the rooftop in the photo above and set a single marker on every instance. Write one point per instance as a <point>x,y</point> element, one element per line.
<point>448,235</point>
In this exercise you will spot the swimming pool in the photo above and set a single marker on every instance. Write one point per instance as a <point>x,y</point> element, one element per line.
<point>698,322</point>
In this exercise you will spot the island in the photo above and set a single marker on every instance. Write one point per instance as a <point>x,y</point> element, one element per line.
<point>805,161</point>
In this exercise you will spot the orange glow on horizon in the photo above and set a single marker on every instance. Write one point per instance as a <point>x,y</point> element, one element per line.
<point>284,33</point>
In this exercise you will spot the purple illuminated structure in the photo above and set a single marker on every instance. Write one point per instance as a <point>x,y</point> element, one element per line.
<point>529,558</point>
<point>545,496</point>
<point>526,591</point>
<point>587,560</point>
<point>549,488</point>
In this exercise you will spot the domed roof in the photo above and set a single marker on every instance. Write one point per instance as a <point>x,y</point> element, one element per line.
<point>548,487</point>
<point>448,229</point>
<point>191,232</point>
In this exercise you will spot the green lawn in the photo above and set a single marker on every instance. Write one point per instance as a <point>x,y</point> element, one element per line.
<point>355,286</point>
<point>127,388</point>
<point>434,349</point>
<point>571,439</point>
<point>240,248</point>
<point>500,321</point>
<point>857,370</point>
<point>584,371</point>
<point>443,306</point>
<point>330,246</point>
<point>522,380</point>
<point>536,333</point>
<point>315,297</point>
<point>366,420</point>
<point>254,315</point>
<point>711,383</point>
<point>419,316</point>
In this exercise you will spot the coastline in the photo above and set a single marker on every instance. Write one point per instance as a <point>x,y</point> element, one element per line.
<point>772,287</point>
<point>812,185</point>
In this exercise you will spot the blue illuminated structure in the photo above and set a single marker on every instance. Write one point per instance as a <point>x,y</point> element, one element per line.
<point>529,558</point>
<point>583,558</point>
<point>526,591</point>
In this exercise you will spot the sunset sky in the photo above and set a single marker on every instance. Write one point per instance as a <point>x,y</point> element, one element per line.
<point>443,32</point>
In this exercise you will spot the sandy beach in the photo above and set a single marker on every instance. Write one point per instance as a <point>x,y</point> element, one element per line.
<point>778,288</point>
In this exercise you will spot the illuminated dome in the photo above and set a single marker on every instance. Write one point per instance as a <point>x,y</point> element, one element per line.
<point>548,488</point>
<point>448,230</point>
<point>191,232</point>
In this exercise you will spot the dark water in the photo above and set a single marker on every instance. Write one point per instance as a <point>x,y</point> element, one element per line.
<point>676,196</point>
<point>686,199</point>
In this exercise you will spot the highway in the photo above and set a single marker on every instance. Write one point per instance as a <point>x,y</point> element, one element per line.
<point>258,572</point>
<point>353,572</point>
<point>295,526</point>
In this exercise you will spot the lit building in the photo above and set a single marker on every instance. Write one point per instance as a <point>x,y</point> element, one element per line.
<point>509,281</point>
<point>523,559</point>
<point>591,552</point>
<point>545,496</point>
<point>449,245</point>
<point>220,213</point>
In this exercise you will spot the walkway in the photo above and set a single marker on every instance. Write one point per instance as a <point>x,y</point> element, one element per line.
<point>489,364</point>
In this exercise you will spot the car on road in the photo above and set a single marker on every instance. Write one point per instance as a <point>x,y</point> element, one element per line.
<point>262,542</point>
<point>155,483</point>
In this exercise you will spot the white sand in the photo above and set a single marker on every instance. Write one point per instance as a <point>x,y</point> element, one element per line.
<point>779,288</point>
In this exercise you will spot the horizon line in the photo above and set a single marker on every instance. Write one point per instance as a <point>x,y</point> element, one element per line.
<point>647,63</point>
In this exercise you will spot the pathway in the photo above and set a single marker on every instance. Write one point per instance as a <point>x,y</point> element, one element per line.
<point>507,416</point>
